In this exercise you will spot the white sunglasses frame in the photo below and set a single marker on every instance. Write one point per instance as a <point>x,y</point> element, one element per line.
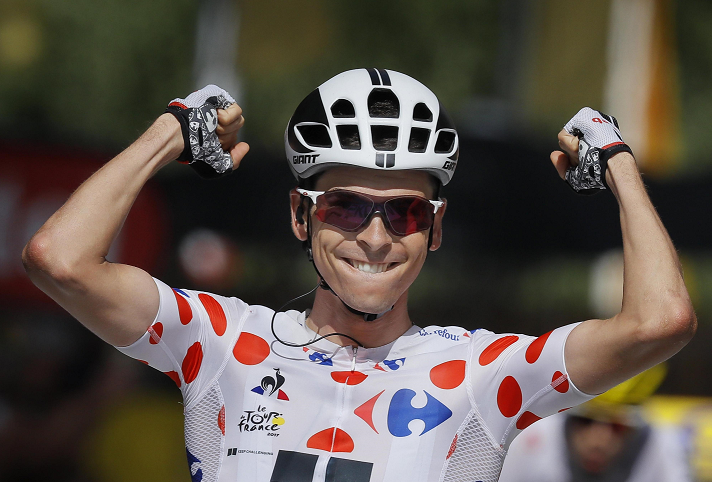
<point>315,194</point>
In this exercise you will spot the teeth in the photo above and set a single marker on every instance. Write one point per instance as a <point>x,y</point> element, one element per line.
<point>369,267</point>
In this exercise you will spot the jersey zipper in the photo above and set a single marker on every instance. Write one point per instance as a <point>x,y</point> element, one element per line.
<point>320,469</point>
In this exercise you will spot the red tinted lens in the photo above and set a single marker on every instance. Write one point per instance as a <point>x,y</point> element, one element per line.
<point>619,428</point>
<point>343,209</point>
<point>616,427</point>
<point>409,214</point>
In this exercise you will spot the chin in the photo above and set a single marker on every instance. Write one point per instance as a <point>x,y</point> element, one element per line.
<point>369,304</point>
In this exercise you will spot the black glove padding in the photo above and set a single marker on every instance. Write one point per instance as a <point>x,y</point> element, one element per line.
<point>599,139</point>
<point>198,119</point>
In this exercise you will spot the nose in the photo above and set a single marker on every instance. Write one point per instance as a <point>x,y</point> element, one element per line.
<point>375,235</point>
<point>601,435</point>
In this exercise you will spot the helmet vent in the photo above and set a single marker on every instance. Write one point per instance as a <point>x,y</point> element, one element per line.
<point>385,138</point>
<point>348,136</point>
<point>418,139</point>
<point>383,103</point>
<point>315,135</point>
<point>422,113</point>
<point>445,142</point>
<point>343,108</point>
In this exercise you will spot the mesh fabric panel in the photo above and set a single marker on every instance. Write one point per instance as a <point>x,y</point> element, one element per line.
<point>475,458</point>
<point>203,437</point>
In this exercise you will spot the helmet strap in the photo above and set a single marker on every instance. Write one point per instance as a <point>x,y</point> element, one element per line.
<point>436,196</point>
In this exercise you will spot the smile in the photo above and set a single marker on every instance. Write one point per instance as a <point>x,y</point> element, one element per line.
<point>373,268</point>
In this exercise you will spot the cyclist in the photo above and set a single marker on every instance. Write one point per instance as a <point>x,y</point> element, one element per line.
<point>605,439</point>
<point>351,390</point>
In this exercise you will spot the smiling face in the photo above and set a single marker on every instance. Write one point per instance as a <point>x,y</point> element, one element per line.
<point>371,268</point>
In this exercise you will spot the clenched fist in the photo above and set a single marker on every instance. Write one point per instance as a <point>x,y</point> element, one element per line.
<point>588,141</point>
<point>210,120</point>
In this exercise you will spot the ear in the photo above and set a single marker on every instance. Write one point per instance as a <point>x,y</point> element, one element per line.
<point>438,227</point>
<point>299,225</point>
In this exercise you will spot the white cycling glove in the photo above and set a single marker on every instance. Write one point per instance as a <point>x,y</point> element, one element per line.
<point>198,119</point>
<point>599,139</point>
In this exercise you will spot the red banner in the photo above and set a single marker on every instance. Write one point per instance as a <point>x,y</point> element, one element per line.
<point>34,183</point>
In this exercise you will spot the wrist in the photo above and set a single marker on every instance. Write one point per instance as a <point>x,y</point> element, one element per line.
<point>620,166</point>
<point>170,132</point>
<point>165,135</point>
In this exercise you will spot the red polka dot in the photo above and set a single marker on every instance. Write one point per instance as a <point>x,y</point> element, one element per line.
<point>192,361</point>
<point>215,313</point>
<point>250,349</point>
<point>534,350</point>
<point>156,332</point>
<point>448,375</point>
<point>509,397</point>
<point>221,419</point>
<point>144,362</point>
<point>184,312</point>
<point>174,376</point>
<point>453,446</point>
<point>561,386</point>
<point>564,409</point>
<point>331,440</point>
<point>496,348</point>
<point>526,419</point>
<point>349,378</point>
<point>379,367</point>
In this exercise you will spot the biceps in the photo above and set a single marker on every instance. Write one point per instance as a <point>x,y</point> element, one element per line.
<point>600,354</point>
<point>116,302</point>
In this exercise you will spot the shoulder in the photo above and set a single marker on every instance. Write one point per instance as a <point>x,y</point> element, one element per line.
<point>435,338</point>
<point>488,345</point>
<point>666,443</point>
<point>212,303</point>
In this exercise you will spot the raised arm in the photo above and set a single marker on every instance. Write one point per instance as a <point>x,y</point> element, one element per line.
<point>66,258</point>
<point>656,318</point>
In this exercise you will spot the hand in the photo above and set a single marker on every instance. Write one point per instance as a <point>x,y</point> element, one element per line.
<point>587,141</point>
<point>567,157</point>
<point>230,121</point>
<point>210,121</point>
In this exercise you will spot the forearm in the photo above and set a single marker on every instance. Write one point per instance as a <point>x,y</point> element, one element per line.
<point>66,258</point>
<point>656,318</point>
<point>654,293</point>
<point>79,235</point>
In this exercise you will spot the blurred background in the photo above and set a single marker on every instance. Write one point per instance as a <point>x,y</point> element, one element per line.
<point>80,79</point>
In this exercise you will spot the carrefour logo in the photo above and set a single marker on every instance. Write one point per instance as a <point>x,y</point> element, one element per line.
<point>401,412</point>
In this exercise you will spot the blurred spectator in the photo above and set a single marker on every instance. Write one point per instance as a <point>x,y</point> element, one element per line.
<point>604,440</point>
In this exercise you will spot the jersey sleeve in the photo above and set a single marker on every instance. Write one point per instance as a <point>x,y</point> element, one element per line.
<point>518,379</point>
<point>191,337</point>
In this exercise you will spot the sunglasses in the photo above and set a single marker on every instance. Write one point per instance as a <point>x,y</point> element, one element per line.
<point>617,427</point>
<point>350,211</point>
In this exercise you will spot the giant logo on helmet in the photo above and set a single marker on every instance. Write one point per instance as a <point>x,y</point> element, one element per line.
<point>450,165</point>
<point>305,159</point>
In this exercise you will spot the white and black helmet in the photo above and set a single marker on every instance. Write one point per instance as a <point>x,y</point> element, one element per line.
<point>372,118</point>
